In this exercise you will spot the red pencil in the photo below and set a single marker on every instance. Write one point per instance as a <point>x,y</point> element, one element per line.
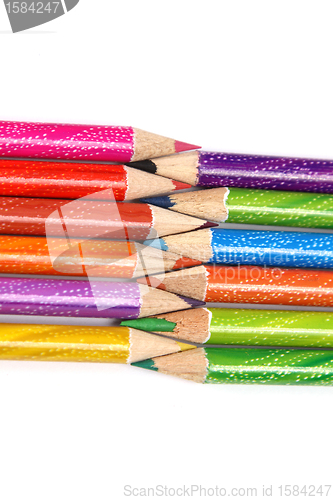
<point>75,180</point>
<point>91,219</point>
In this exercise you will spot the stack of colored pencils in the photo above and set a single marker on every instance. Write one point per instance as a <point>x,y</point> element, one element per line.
<point>66,210</point>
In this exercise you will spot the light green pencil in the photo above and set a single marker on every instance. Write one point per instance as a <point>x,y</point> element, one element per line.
<point>253,206</point>
<point>254,327</point>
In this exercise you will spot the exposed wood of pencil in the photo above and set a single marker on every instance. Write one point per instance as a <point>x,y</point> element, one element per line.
<point>189,282</point>
<point>148,145</point>
<point>206,204</point>
<point>141,184</point>
<point>149,259</point>
<point>191,365</point>
<point>191,325</point>
<point>167,222</point>
<point>181,167</point>
<point>144,345</point>
<point>196,245</point>
<point>156,301</point>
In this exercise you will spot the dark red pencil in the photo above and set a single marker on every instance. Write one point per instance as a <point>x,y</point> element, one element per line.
<point>91,219</point>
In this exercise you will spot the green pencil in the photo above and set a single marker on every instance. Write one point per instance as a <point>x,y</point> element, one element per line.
<point>252,206</point>
<point>247,366</point>
<point>255,327</point>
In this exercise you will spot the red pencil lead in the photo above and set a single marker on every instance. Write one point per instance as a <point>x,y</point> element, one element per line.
<point>181,185</point>
<point>184,146</point>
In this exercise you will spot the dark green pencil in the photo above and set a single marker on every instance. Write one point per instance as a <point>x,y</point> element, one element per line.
<point>247,366</point>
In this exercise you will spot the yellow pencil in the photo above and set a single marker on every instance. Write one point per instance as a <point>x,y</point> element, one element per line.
<point>82,343</point>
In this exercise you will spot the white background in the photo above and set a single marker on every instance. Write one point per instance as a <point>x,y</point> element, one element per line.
<point>243,76</point>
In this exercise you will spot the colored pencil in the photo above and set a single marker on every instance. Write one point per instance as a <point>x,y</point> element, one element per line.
<point>93,258</point>
<point>242,327</point>
<point>240,246</point>
<point>89,299</point>
<point>83,142</point>
<point>82,343</point>
<point>206,169</point>
<point>250,284</point>
<point>74,180</point>
<point>90,219</point>
<point>239,365</point>
<point>253,206</point>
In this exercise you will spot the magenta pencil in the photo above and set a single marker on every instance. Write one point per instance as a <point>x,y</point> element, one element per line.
<point>83,142</point>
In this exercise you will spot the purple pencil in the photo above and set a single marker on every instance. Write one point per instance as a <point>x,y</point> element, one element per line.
<point>206,169</point>
<point>90,299</point>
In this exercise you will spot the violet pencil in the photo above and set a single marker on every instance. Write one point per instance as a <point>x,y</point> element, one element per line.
<point>208,169</point>
<point>89,299</point>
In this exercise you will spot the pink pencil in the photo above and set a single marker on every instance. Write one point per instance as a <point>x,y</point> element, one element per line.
<point>83,142</point>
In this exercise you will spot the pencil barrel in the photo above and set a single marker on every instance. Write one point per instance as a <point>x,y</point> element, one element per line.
<point>72,298</point>
<point>269,366</point>
<point>282,208</point>
<point>74,218</point>
<point>272,248</point>
<point>64,343</point>
<point>71,180</point>
<point>271,328</point>
<point>66,141</point>
<point>264,285</point>
<point>265,172</point>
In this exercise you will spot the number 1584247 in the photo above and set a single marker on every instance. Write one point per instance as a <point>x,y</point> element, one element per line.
<point>32,7</point>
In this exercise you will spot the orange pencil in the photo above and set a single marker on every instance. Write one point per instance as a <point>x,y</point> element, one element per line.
<point>250,284</point>
<point>94,258</point>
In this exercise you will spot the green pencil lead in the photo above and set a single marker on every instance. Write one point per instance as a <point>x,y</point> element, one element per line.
<point>150,324</point>
<point>148,364</point>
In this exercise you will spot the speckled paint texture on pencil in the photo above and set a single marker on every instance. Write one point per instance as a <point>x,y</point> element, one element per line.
<point>284,208</point>
<point>66,141</point>
<point>75,298</point>
<point>79,218</point>
<point>269,366</point>
<point>64,343</point>
<point>265,172</point>
<point>267,285</point>
<point>68,180</point>
<point>271,328</point>
<point>272,248</point>
<point>100,258</point>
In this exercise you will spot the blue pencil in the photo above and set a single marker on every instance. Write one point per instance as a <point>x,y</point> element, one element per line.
<point>249,247</point>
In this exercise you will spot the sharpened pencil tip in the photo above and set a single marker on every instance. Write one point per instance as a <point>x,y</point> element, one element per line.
<point>208,224</point>
<point>159,201</point>
<point>192,302</point>
<point>184,146</point>
<point>158,243</point>
<point>144,165</point>
<point>151,281</point>
<point>148,364</point>
<point>180,185</point>
<point>150,324</point>
<point>186,262</point>
<point>186,347</point>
